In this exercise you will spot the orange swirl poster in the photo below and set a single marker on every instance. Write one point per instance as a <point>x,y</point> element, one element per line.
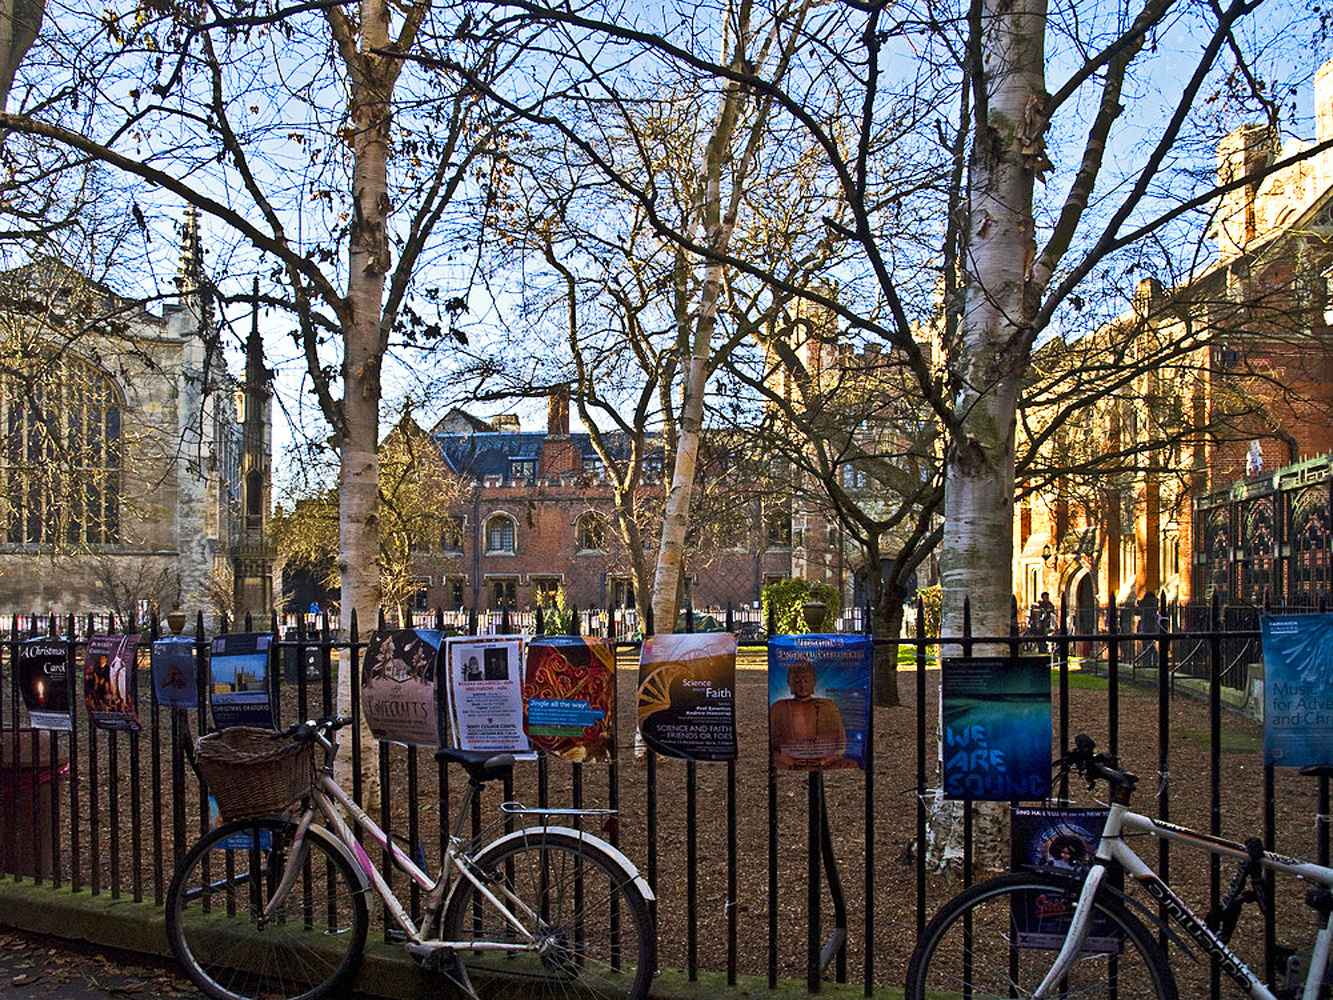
<point>569,698</point>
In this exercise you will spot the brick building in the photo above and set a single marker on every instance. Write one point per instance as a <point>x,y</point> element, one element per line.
<point>1248,389</point>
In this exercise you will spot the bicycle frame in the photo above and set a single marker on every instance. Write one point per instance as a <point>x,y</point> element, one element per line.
<point>1120,820</point>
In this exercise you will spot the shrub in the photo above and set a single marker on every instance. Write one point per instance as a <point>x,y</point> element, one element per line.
<point>788,597</point>
<point>932,603</point>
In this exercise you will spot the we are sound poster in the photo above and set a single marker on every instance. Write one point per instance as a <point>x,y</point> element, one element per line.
<point>996,722</point>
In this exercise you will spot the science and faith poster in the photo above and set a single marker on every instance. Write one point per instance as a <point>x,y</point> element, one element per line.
<point>819,701</point>
<point>687,695</point>
<point>996,727</point>
<point>485,693</point>
<point>175,673</point>
<point>240,681</point>
<point>43,669</point>
<point>569,698</point>
<point>399,694</point>
<point>110,681</point>
<point>1298,689</point>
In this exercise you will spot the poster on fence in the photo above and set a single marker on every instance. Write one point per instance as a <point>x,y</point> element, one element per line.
<point>818,701</point>
<point>240,681</point>
<point>43,668</point>
<point>1063,840</point>
<point>1298,689</point>
<point>110,681</point>
<point>996,720</point>
<point>399,694</point>
<point>687,695</point>
<point>175,676</point>
<point>484,693</point>
<point>569,697</point>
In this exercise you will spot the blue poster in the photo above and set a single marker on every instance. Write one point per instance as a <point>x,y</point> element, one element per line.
<point>819,701</point>
<point>239,681</point>
<point>1298,689</point>
<point>174,675</point>
<point>996,727</point>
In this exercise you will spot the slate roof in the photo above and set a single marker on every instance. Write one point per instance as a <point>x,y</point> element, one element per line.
<point>486,454</point>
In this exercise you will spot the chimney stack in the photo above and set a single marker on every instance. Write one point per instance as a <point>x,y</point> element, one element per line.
<point>557,411</point>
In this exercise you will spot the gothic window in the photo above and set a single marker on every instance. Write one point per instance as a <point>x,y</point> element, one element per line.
<point>777,528</point>
<point>591,532</point>
<point>500,534</point>
<point>254,500</point>
<point>60,463</point>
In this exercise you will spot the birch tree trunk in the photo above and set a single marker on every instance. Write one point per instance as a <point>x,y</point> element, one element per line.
<point>999,301</point>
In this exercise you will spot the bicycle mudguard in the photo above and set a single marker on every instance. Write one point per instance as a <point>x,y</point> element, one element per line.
<point>532,834</point>
<point>334,842</point>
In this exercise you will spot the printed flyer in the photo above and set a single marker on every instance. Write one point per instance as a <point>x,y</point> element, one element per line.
<point>1298,689</point>
<point>687,695</point>
<point>398,689</point>
<point>818,701</point>
<point>996,721</point>
<point>110,681</point>
<point>175,677</point>
<point>485,693</point>
<point>43,668</point>
<point>239,681</point>
<point>1055,840</point>
<point>569,698</point>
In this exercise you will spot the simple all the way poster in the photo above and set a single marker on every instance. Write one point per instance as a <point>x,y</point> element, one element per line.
<point>818,701</point>
<point>239,682</point>
<point>399,698</point>
<point>996,721</point>
<point>175,675</point>
<point>569,698</point>
<point>43,669</point>
<point>687,695</point>
<point>110,681</point>
<point>1298,689</point>
<point>485,693</point>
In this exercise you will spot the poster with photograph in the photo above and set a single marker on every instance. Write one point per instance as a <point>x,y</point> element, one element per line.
<point>175,676</point>
<point>240,681</point>
<point>996,721</point>
<point>399,695</point>
<point>687,695</point>
<point>1062,840</point>
<point>484,693</point>
<point>110,681</point>
<point>818,701</point>
<point>43,668</point>
<point>569,697</point>
<point>1298,689</point>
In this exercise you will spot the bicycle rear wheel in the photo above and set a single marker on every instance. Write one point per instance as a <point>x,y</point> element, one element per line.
<point>594,936</point>
<point>215,922</point>
<point>1000,937</point>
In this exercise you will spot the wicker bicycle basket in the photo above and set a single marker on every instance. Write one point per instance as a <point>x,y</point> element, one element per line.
<point>250,773</point>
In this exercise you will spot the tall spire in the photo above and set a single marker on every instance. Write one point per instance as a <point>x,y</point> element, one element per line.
<point>193,286</point>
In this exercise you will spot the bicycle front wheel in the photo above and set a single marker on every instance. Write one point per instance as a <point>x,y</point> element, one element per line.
<point>231,948</point>
<point>1000,937</point>
<point>591,932</point>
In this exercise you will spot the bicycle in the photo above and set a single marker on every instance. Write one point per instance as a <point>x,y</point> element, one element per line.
<point>278,905</point>
<point>1046,934</point>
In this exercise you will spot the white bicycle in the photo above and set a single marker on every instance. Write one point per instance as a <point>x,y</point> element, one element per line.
<point>276,905</point>
<point>1044,934</point>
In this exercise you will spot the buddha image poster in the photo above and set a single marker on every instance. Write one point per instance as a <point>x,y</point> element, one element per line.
<point>175,676</point>
<point>484,692</point>
<point>569,698</point>
<point>996,721</point>
<point>687,695</point>
<point>240,681</point>
<point>819,701</point>
<point>43,669</point>
<point>1298,689</point>
<point>399,694</point>
<point>110,681</point>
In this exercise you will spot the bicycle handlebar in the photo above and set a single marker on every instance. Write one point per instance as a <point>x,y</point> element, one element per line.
<point>308,730</point>
<point>1092,765</point>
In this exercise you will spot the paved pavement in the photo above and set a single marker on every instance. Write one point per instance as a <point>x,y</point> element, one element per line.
<point>44,968</point>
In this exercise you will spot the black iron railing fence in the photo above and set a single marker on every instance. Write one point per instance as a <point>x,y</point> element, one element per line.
<point>750,879</point>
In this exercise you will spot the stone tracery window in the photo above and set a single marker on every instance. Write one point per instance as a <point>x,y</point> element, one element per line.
<point>60,462</point>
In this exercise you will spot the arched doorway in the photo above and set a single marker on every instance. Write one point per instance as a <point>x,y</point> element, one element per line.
<point>1085,610</point>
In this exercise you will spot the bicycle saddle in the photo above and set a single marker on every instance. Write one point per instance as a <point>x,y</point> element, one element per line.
<point>481,765</point>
